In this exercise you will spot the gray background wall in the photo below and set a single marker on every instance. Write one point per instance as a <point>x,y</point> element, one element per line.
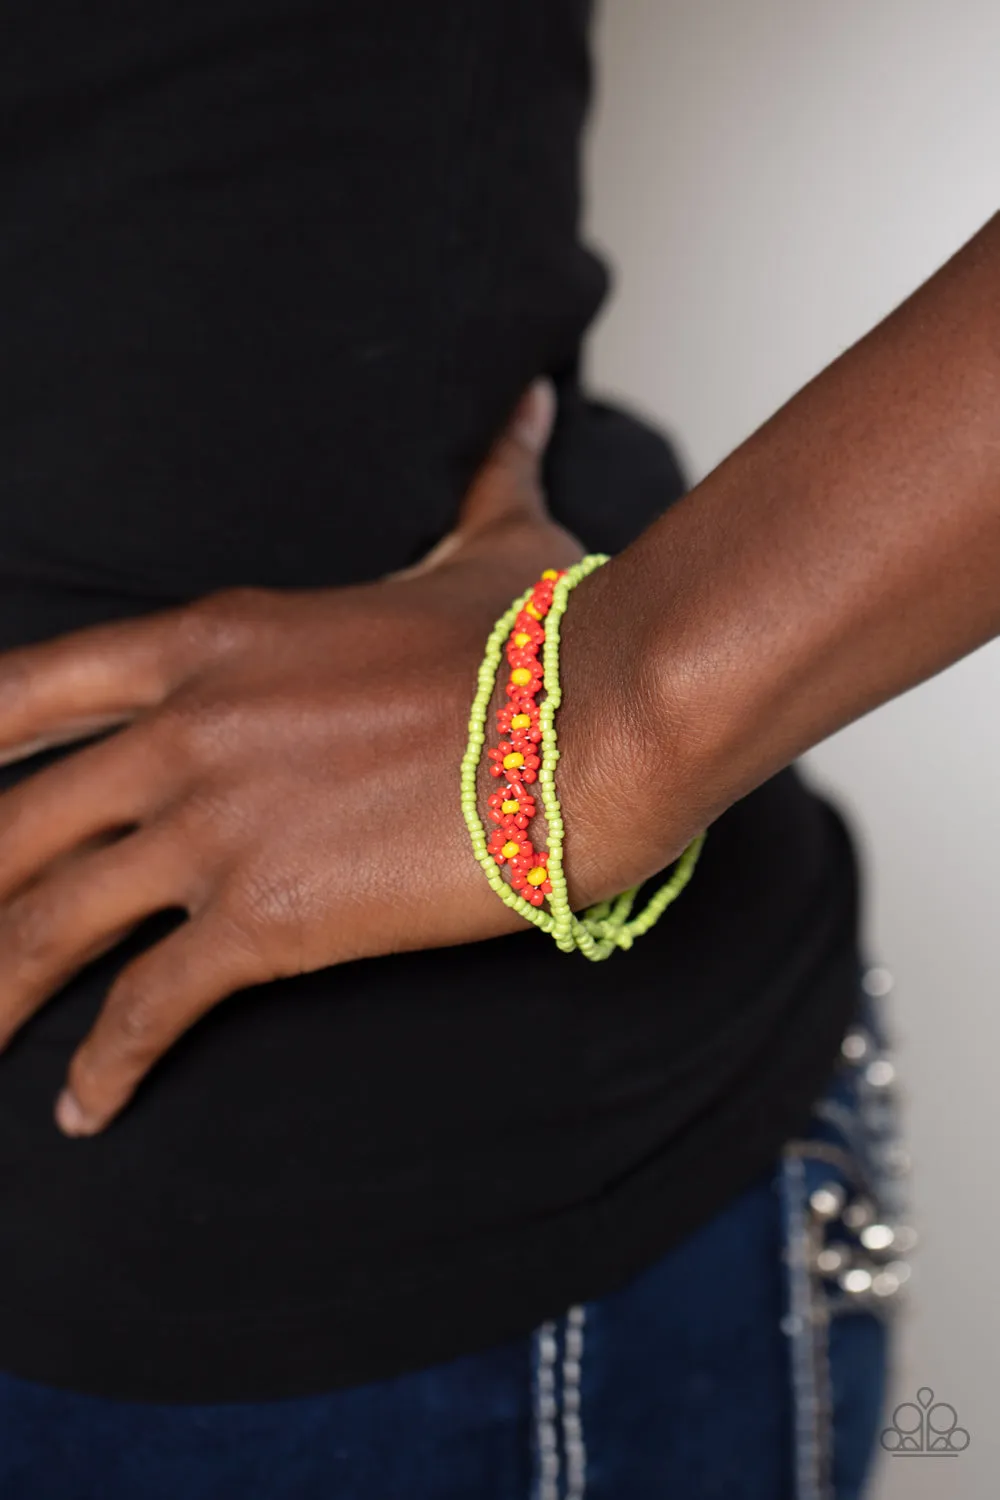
<point>769,177</point>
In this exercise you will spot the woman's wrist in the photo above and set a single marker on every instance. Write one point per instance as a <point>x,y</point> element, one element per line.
<point>629,769</point>
<point>843,554</point>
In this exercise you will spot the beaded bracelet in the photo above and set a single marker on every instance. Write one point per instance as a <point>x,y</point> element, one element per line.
<point>529,755</point>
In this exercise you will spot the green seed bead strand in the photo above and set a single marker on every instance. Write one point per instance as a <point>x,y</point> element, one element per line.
<point>624,933</point>
<point>568,931</point>
<point>606,926</point>
<point>600,930</point>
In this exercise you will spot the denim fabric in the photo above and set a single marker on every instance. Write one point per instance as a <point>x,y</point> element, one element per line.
<point>729,1369</point>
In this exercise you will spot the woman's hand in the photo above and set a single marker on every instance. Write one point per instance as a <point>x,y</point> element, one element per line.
<point>285,771</point>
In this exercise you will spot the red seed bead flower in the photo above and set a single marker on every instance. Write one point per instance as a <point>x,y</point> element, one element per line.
<point>505,849</point>
<point>514,717</point>
<point>524,682</point>
<point>509,809</point>
<point>512,760</point>
<point>527,634</point>
<point>531,877</point>
<point>513,763</point>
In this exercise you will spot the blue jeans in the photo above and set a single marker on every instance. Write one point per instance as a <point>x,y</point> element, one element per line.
<point>747,1364</point>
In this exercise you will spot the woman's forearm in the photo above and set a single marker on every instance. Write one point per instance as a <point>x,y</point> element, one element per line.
<point>848,550</point>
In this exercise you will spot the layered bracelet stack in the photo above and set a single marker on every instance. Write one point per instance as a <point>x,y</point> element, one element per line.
<point>522,765</point>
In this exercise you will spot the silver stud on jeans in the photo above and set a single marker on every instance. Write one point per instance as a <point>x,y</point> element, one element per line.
<point>827,1202</point>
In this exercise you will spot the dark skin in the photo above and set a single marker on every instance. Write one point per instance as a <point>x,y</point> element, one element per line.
<point>273,747</point>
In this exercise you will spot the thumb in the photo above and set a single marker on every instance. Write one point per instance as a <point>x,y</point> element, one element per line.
<point>508,483</point>
<point>530,426</point>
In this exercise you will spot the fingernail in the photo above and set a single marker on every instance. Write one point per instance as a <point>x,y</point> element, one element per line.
<point>535,414</point>
<point>70,1118</point>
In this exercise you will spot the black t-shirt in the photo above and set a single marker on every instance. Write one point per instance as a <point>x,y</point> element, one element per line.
<point>272,272</point>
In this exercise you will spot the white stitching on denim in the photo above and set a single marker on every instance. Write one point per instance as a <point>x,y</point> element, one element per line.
<point>546,1412</point>
<point>575,1448</point>
<point>806,1328</point>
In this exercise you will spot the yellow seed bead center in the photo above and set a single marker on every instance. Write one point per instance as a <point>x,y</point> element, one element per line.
<point>510,849</point>
<point>511,806</point>
<point>521,721</point>
<point>515,758</point>
<point>521,676</point>
<point>521,638</point>
<point>550,573</point>
<point>536,876</point>
<point>533,610</point>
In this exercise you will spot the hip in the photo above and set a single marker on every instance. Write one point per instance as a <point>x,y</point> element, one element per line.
<point>748,1361</point>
